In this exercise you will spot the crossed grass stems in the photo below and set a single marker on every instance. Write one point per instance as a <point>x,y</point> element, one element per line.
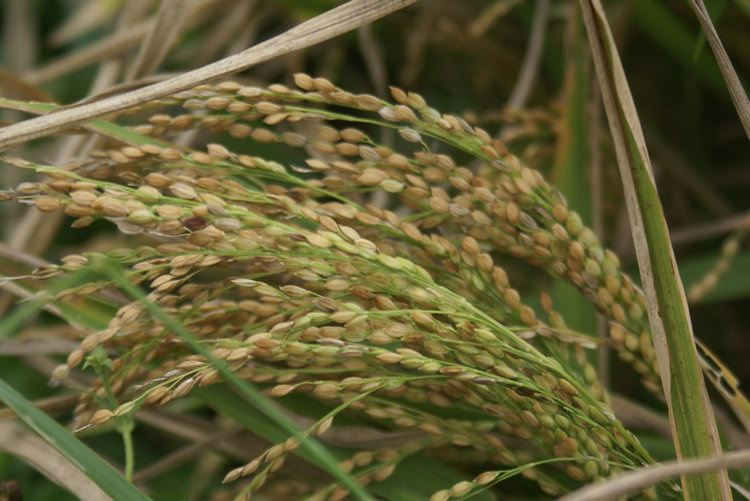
<point>294,280</point>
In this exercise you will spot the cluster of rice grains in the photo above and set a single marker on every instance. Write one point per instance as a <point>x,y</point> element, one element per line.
<point>289,275</point>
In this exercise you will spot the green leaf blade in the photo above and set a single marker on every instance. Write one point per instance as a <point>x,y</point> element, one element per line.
<point>73,449</point>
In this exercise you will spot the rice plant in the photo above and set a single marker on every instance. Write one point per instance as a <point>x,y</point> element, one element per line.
<point>322,274</point>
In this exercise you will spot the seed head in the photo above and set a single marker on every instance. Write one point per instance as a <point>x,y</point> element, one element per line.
<point>101,416</point>
<point>323,85</point>
<point>304,81</point>
<point>410,135</point>
<point>47,204</point>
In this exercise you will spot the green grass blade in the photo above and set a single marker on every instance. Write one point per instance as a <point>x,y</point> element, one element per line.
<point>732,80</point>
<point>571,171</point>
<point>691,416</point>
<point>73,449</point>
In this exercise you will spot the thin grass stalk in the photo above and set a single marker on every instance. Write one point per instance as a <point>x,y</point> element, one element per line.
<point>328,25</point>
<point>691,416</point>
<point>632,482</point>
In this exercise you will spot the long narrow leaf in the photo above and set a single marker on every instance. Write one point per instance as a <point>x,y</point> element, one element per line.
<point>736,91</point>
<point>691,416</point>
<point>73,449</point>
<point>330,24</point>
<point>571,169</point>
